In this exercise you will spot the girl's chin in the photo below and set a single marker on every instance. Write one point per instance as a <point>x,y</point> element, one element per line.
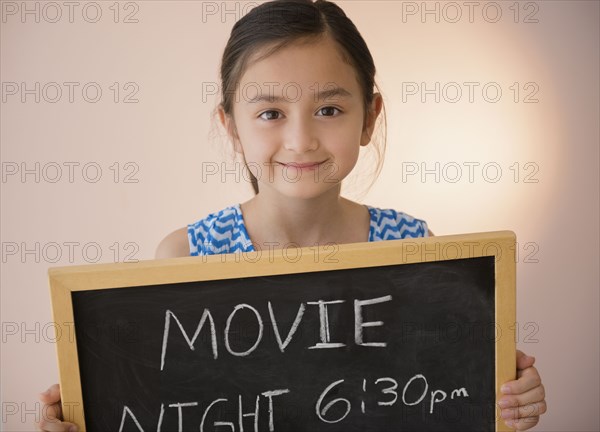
<point>300,189</point>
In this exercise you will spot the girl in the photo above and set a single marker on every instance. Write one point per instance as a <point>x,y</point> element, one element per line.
<point>298,104</point>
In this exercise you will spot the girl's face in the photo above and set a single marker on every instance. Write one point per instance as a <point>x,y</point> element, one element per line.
<point>299,119</point>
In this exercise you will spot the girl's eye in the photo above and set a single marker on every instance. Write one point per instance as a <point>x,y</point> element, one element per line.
<point>328,111</point>
<point>276,115</point>
<point>271,115</point>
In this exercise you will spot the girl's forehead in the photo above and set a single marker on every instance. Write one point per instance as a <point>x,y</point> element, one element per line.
<point>301,64</point>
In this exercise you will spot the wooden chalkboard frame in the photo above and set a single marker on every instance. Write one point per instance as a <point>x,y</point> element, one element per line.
<point>66,280</point>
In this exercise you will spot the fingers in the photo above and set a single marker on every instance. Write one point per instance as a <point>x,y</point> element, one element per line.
<point>52,412</point>
<point>528,379</point>
<point>51,420</point>
<point>524,399</point>
<point>537,394</point>
<point>52,395</point>
<point>57,426</point>
<point>52,409</point>
<point>523,424</point>
<point>523,412</point>
<point>526,408</point>
<point>523,360</point>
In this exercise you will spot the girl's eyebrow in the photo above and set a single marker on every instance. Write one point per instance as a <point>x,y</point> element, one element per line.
<point>324,94</point>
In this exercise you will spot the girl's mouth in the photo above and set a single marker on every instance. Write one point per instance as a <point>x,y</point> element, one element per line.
<point>306,165</point>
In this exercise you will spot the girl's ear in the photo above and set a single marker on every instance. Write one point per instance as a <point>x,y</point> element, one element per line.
<point>228,123</point>
<point>374,111</point>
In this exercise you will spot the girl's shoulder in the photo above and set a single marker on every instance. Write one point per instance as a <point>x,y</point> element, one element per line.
<point>391,224</point>
<point>174,245</point>
<point>222,231</point>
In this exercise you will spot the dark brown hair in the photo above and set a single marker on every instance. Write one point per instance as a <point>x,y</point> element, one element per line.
<point>278,23</point>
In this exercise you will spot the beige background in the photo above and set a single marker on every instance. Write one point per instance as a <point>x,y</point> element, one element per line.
<point>174,49</point>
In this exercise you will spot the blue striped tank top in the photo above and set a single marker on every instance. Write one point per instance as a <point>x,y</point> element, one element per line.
<point>224,231</point>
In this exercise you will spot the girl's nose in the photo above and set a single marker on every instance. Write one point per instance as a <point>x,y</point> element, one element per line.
<point>301,137</point>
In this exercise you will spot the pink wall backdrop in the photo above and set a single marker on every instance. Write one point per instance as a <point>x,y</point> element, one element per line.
<point>493,124</point>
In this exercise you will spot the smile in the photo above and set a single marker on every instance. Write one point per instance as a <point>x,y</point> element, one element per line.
<point>308,165</point>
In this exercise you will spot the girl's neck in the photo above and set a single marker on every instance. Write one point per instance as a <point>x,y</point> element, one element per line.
<point>288,222</point>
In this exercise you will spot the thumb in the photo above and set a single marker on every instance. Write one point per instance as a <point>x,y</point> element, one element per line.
<point>524,361</point>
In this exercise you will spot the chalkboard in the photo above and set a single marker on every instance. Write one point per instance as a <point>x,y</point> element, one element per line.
<point>386,336</point>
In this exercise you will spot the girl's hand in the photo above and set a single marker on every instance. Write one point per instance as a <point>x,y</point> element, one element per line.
<point>524,401</point>
<point>52,412</point>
